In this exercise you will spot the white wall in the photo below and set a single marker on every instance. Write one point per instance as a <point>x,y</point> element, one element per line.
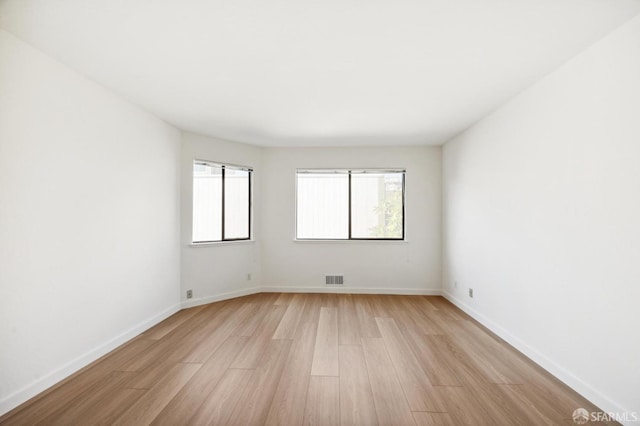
<point>219,270</point>
<point>542,208</point>
<point>411,267</point>
<point>89,228</point>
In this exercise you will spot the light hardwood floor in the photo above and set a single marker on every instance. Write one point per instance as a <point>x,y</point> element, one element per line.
<point>291,359</point>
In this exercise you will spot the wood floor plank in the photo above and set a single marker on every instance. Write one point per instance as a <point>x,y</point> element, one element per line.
<point>311,311</point>
<point>258,343</point>
<point>109,409</point>
<point>255,402</point>
<point>356,400</point>
<point>283,299</point>
<point>426,304</point>
<point>85,404</point>
<point>289,323</point>
<point>430,419</point>
<point>193,394</point>
<point>391,405</point>
<point>490,363</point>
<point>444,307</point>
<point>323,401</point>
<point>117,359</point>
<point>492,397</point>
<point>325,354</point>
<point>549,393</point>
<point>43,406</point>
<point>420,393</point>
<point>405,320</point>
<point>145,409</point>
<point>469,408</point>
<point>196,347</point>
<point>329,300</point>
<point>180,340</point>
<point>392,302</point>
<point>366,320</point>
<point>533,413</point>
<point>464,359</point>
<point>252,322</point>
<point>287,407</point>
<point>348,332</point>
<point>432,358</point>
<point>477,392</point>
<point>219,405</point>
<point>379,306</point>
<point>420,316</point>
<point>210,342</point>
<point>167,326</point>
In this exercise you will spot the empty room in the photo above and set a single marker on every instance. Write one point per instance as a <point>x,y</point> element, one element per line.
<point>319,212</point>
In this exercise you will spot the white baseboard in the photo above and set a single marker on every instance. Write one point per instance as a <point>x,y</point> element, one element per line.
<point>353,290</point>
<point>289,289</point>
<point>190,303</point>
<point>34,388</point>
<point>584,389</point>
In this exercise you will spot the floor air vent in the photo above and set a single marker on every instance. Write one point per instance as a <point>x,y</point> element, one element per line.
<point>334,279</point>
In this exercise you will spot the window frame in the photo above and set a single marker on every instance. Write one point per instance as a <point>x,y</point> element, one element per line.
<point>349,172</point>
<point>223,167</point>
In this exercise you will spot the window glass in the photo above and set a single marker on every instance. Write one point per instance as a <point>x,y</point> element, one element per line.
<point>207,203</point>
<point>236,206</point>
<point>221,202</point>
<point>376,205</point>
<point>350,204</point>
<point>323,206</point>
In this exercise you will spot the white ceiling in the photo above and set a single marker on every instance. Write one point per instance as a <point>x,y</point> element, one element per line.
<point>316,72</point>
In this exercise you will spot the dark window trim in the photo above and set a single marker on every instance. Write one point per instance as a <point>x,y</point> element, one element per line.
<point>224,166</point>
<point>349,172</point>
<point>224,202</point>
<point>349,211</point>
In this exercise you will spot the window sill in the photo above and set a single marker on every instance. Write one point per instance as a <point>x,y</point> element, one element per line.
<point>384,242</point>
<point>222,243</point>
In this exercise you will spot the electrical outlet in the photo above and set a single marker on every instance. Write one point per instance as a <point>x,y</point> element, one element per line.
<point>471,293</point>
<point>189,294</point>
<point>455,284</point>
<point>248,277</point>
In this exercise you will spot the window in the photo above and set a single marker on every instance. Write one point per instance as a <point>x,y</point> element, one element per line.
<point>350,205</point>
<point>221,202</point>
